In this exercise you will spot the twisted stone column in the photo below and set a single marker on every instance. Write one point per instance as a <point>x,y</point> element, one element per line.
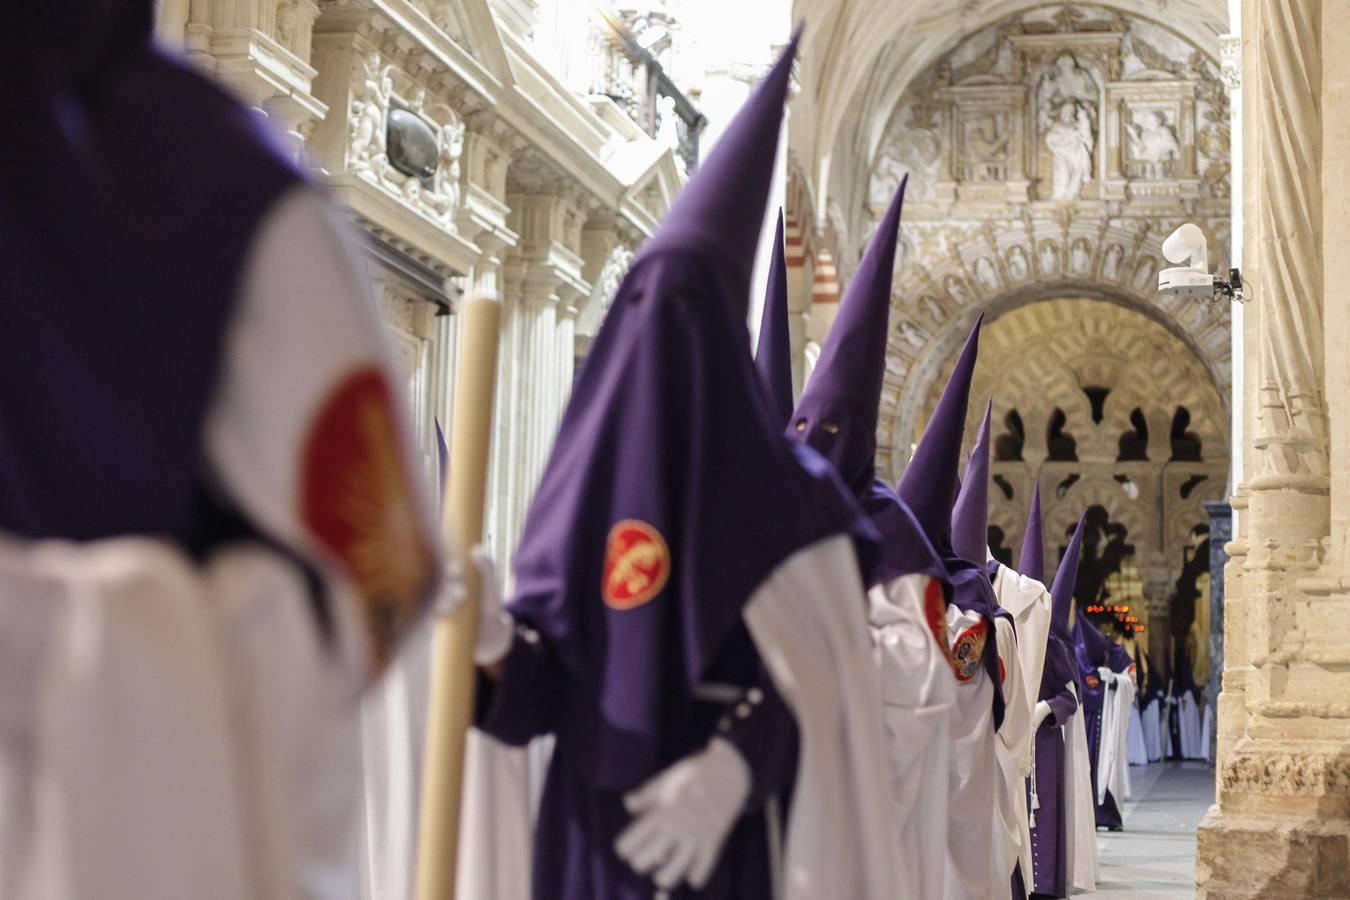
<point>1281,826</point>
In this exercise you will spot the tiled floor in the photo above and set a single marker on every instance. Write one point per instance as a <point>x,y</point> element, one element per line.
<point>1154,857</point>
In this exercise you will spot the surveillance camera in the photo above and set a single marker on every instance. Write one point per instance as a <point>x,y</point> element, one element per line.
<point>1188,247</point>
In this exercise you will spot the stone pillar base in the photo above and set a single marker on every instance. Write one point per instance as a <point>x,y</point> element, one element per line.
<point>1266,856</point>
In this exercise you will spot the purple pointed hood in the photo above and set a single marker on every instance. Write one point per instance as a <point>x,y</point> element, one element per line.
<point>773,354</point>
<point>1031,562</point>
<point>970,515</point>
<point>651,528</point>
<point>838,412</point>
<point>930,480</point>
<point>837,415</point>
<point>1096,646</point>
<point>714,213</point>
<point>1066,578</point>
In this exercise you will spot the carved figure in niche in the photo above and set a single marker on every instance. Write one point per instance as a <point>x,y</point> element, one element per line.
<point>986,149</point>
<point>1017,264</point>
<point>1065,82</point>
<point>450,143</point>
<point>930,305</point>
<point>287,19</point>
<point>1080,259</point>
<point>1049,258</point>
<point>914,152</point>
<point>1153,139</point>
<point>1153,145</point>
<point>913,336</point>
<point>1111,266</point>
<point>1070,142</point>
<point>986,275</point>
<point>1143,273</point>
<point>956,289</point>
<point>371,100</point>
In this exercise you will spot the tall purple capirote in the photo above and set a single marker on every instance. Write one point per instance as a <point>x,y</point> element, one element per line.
<point>1031,562</point>
<point>711,215</point>
<point>1066,578</point>
<point>970,514</point>
<point>837,414</point>
<point>930,481</point>
<point>773,353</point>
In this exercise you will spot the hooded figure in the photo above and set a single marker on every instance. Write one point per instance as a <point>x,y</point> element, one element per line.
<point>1022,631</point>
<point>773,353</point>
<point>1184,708</point>
<point>837,416</point>
<point>1057,701</point>
<point>929,487</point>
<point>1107,698</point>
<point>1154,701</point>
<point>667,577</point>
<point>210,609</point>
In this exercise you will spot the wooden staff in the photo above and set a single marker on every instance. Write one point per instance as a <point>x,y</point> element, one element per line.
<point>452,668</point>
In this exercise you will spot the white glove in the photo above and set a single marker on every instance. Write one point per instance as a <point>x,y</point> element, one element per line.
<point>1041,713</point>
<point>683,815</point>
<point>496,629</point>
<point>1106,675</point>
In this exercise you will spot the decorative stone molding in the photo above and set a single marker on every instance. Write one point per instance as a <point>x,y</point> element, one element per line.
<point>1298,771</point>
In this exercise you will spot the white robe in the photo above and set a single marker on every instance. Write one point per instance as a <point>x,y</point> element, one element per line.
<point>1022,654</point>
<point>1080,811</point>
<point>918,694</point>
<point>189,713</point>
<point>973,780</point>
<point>1152,723</point>
<point>1134,739</point>
<point>840,838</point>
<point>1113,770</point>
<point>1188,726</point>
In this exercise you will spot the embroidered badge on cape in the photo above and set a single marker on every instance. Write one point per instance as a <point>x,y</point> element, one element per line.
<point>637,565</point>
<point>1093,681</point>
<point>356,497</point>
<point>968,651</point>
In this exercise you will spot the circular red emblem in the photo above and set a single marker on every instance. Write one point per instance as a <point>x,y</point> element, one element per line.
<point>1093,681</point>
<point>637,565</point>
<point>935,611</point>
<point>968,651</point>
<point>356,497</point>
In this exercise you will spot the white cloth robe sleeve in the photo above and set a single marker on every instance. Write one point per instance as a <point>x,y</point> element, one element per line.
<point>808,622</point>
<point>1135,741</point>
<point>917,697</point>
<point>1080,811</point>
<point>973,780</point>
<point>1022,652</point>
<point>1113,771</point>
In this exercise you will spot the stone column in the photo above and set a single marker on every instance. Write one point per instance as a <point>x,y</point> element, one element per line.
<point>1281,825</point>
<point>1220,533</point>
<point>541,285</point>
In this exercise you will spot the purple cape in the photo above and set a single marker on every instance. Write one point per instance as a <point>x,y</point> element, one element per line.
<point>129,198</point>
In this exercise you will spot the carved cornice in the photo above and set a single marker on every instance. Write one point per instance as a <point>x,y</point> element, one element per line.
<point>1295,771</point>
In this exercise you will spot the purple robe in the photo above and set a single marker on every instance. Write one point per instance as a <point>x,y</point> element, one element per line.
<point>1095,650</point>
<point>1049,836</point>
<point>670,496</point>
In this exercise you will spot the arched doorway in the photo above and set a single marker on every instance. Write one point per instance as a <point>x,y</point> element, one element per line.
<point>1114,413</point>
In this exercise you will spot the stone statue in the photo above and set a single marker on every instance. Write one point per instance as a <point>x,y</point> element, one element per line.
<point>984,272</point>
<point>1070,141</point>
<point>1111,267</point>
<point>369,102</point>
<point>1080,259</point>
<point>1049,258</point>
<point>956,289</point>
<point>1153,144</point>
<point>450,146</point>
<point>1017,264</point>
<point>912,336</point>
